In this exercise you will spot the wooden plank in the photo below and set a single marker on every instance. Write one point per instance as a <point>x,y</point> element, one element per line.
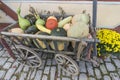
<point>3,25</point>
<point>8,11</point>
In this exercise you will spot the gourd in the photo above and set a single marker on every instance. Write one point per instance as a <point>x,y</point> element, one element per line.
<point>23,23</point>
<point>58,32</point>
<point>40,43</point>
<point>83,17</point>
<point>64,21</point>
<point>31,18</point>
<point>18,31</point>
<point>43,28</point>
<point>51,24</point>
<point>31,30</point>
<point>78,30</point>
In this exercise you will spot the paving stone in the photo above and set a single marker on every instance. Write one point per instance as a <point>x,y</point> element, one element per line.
<point>119,71</point>
<point>117,62</point>
<point>108,59</point>
<point>43,64</point>
<point>14,78</point>
<point>82,66</point>
<point>54,62</point>
<point>26,69</point>
<point>64,78</point>
<point>23,76</point>
<point>112,56</point>
<point>89,69</point>
<point>49,62</point>
<point>2,61</point>
<point>1,53</point>
<point>89,65</point>
<point>19,69</point>
<point>7,65</point>
<point>47,70</point>
<point>75,77</point>
<point>101,61</point>
<point>52,73</point>
<point>6,54</point>
<point>15,64</point>
<point>83,77</point>
<point>98,73</point>
<point>33,74</point>
<point>38,75</point>
<point>106,77</point>
<point>114,76</point>
<point>59,71</point>
<point>44,77</point>
<point>110,67</point>
<point>103,69</point>
<point>11,60</point>
<point>9,73</point>
<point>2,73</point>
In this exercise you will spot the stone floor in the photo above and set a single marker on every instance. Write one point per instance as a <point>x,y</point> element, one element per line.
<point>10,69</point>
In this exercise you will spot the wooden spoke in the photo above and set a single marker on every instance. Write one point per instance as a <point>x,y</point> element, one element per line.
<point>26,56</point>
<point>67,64</point>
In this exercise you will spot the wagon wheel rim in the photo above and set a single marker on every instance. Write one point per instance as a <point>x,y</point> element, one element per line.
<point>26,56</point>
<point>67,64</point>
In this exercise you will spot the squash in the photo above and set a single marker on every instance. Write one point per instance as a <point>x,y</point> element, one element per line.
<point>58,32</point>
<point>83,17</point>
<point>67,26</point>
<point>51,24</point>
<point>40,43</point>
<point>52,17</point>
<point>31,18</point>
<point>17,30</point>
<point>32,30</point>
<point>78,30</point>
<point>64,21</point>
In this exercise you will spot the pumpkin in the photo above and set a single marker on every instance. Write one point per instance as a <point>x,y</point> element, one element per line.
<point>58,32</point>
<point>78,30</point>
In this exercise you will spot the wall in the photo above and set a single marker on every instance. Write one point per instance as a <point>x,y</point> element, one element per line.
<point>107,15</point>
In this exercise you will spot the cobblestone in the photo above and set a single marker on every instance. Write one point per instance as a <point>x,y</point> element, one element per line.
<point>47,70</point>
<point>82,66</point>
<point>2,73</point>
<point>44,77</point>
<point>117,62</point>
<point>9,73</point>
<point>14,78</point>
<point>23,76</point>
<point>10,69</point>
<point>52,73</point>
<point>7,65</point>
<point>2,61</point>
<point>38,75</point>
<point>106,77</point>
<point>98,73</point>
<point>103,69</point>
<point>83,77</point>
<point>110,67</point>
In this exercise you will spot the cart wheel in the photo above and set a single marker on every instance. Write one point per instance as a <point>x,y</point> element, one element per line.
<point>67,64</point>
<point>26,56</point>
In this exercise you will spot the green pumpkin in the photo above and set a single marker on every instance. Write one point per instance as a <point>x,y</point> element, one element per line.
<point>58,32</point>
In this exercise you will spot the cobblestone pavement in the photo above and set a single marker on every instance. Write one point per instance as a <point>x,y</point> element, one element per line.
<point>10,69</point>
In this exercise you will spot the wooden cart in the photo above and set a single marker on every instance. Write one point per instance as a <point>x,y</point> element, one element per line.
<point>21,49</point>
